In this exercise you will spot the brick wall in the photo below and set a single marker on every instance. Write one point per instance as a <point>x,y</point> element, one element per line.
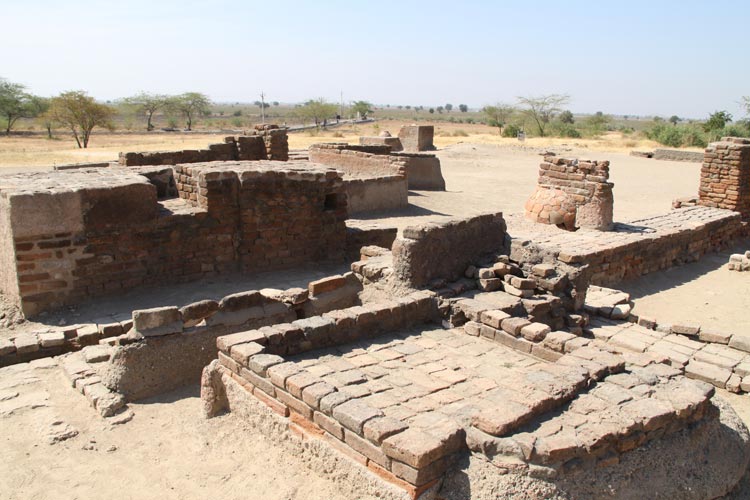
<point>68,243</point>
<point>266,144</point>
<point>357,161</point>
<point>444,250</point>
<point>725,175</point>
<point>572,193</point>
<point>376,193</point>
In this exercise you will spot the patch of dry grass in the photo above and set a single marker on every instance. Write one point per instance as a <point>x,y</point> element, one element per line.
<point>36,151</point>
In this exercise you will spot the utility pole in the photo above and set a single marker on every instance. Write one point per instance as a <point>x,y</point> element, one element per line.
<point>341,105</point>
<point>262,108</point>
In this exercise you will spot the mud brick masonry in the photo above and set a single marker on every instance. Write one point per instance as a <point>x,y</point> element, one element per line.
<point>267,143</point>
<point>572,193</point>
<point>72,235</point>
<point>725,176</point>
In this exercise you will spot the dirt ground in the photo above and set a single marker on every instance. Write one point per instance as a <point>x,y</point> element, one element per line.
<point>169,451</point>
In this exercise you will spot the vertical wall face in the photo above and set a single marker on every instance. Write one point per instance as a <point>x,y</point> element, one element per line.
<point>417,137</point>
<point>289,218</point>
<point>725,176</point>
<point>8,277</point>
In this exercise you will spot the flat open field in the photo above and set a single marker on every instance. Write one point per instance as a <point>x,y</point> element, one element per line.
<point>18,153</point>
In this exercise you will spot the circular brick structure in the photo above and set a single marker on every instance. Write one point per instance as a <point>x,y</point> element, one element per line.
<point>551,206</point>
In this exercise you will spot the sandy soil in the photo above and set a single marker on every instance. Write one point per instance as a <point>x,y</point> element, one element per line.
<point>486,177</point>
<point>169,451</point>
<point>704,292</point>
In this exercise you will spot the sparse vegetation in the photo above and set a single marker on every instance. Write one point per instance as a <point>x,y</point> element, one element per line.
<point>81,114</point>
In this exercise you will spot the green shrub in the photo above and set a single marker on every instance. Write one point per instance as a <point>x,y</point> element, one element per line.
<point>511,130</point>
<point>569,131</point>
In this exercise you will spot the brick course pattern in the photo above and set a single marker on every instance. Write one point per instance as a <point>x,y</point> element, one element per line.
<point>79,234</point>
<point>268,144</point>
<point>725,176</point>
<point>572,193</point>
<point>444,250</point>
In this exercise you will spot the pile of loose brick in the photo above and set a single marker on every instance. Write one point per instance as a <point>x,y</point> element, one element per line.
<point>572,193</point>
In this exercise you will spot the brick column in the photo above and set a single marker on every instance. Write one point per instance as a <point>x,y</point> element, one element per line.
<point>725,175</point>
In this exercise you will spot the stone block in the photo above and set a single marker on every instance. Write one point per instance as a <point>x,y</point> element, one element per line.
<point>712,374</point>
<point>378,429</point>
<point>260,363</point>
<point>690,329</point>
<point>501,420</point>
<point>354,414</point>
<point>225,342</point>
<point>194,313</point>
<point>157,321</point>
<point>242,353</point>
<point>414,447</point>
<point>26,343</point>
<point>740,342</point>
<point>52,339</point>
<point>513,326</point>
<point>535,332</point>
<point>494,318</point>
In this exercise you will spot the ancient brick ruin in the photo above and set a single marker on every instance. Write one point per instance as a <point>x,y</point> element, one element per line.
<point>572,194</point>
<point>267,143</point>
<point>411,138</point>
<point>725,176</point>
<point>377,179</point>
<point>461,345</point>
<point>75,235</point>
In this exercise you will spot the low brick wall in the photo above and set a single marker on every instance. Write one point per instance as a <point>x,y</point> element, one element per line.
<point>423,171</point>
<point>677,155</point>
<point>444,250</point>
<point>393,142</point>
<point>636,248</point>
<point>376,194</point>
<point>271,144</point>
<point>357,161</point>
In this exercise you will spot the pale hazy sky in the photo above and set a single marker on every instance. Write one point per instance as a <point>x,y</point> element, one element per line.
<point>686,57</point>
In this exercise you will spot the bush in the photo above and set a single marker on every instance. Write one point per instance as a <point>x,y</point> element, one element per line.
<point>569,131</point>
<point>511,130</point>
<point>460,133</point>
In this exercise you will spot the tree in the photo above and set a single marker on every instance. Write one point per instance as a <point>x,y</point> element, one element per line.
<point>498,115</point>
<point>463,108</point>
<point>448,107</point>
<point>567,117</point>
<point>432,111</point>
<point>543,108</point>
<point>275,103</point>
<point>674,120</point>
<point>80,113</point>
<point>717,121</point>
<point>361,108</point>
<point>16,103</point>
<point>189,105</point>
<point>440,109</point>
<point>147,104</point>
<point>317,110</point>
<point>262,104</point>
<point>42,107</point>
